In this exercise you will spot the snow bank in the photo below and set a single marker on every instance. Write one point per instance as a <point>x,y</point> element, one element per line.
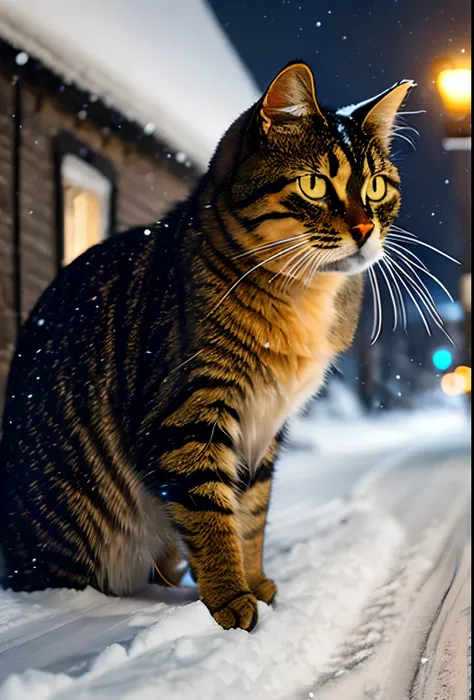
<point>327,551</point>
<point>179,651</point>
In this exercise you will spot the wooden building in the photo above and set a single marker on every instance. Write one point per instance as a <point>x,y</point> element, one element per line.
<point>67,180</point>
<point>74,166</point>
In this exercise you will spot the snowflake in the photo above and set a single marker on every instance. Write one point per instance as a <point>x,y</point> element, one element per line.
<point>21,58</point>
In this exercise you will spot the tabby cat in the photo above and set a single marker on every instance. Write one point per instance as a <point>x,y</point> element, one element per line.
<point>149,391</point>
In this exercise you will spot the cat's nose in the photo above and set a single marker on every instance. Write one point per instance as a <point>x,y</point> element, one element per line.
<point>360,231</point>
<point>359,224</point>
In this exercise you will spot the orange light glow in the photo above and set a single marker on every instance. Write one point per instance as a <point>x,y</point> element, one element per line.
<point>454,85</point>
<point>465,373</point>
<point>456,383</point>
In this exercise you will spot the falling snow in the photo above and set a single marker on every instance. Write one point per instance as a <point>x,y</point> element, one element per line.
<point>21,59</point>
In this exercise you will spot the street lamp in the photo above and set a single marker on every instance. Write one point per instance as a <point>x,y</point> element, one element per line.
<point>454,85</point>
<point>453,81</point>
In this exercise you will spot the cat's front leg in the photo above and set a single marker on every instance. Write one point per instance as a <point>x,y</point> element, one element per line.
<point>202,504</point>
<point>253,512</point>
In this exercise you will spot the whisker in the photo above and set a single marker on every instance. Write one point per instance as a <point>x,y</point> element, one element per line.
<point>426,271</point>
<point>304,272</point>
<point>417,241</point>
<point>318,262</point>
<point>406,127</point>
<point>295,266</point>
<point>392,297</point>
<point>405,138</point>
<point>426,299</point>
<point>374,324</point>
<point>296,256</point>
<point>255,267</point>
<point>396,247</point>
<point>313,266</point>
<point>422,316</point>
<point>377,327</point>
<point>379,298</point>
<point>175,369</point>
<point>404,230</point>
<point>401,300</point>
<point>293,273</point>
<point>397,155</point>
<point>408,137</point>
<point>300,264</point>
<point>421,288</point>
<point>273,244</point>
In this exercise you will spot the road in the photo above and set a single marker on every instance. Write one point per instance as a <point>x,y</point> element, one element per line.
<point>414,634</point>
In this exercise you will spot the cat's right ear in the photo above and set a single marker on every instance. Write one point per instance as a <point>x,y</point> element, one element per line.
<point>290,96</point>
<point>378,115</point>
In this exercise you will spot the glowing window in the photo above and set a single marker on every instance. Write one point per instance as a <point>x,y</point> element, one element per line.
<point>86,197</point>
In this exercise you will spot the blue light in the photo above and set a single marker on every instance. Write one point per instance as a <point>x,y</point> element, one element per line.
<point>442,359</point>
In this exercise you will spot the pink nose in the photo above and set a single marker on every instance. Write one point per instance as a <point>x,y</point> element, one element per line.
<point>364,229</point>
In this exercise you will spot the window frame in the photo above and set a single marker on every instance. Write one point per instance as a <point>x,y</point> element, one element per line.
<point>65,144</point>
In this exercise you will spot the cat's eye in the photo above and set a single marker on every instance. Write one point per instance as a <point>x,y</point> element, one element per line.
<point>313,186</point>
<point>377,188</point>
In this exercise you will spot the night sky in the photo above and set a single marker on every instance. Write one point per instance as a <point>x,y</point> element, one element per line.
<point>357,50</point>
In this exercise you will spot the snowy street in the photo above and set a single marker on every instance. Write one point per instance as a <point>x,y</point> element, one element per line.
<point>368,540</point>
<point>212,211</point>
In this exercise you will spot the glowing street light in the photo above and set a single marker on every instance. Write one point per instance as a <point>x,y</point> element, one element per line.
<point>452,77</point>
<point>453,81</point>
<point>454,87</point>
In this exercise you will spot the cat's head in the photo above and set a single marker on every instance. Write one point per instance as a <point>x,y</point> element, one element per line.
<point>311,189</point>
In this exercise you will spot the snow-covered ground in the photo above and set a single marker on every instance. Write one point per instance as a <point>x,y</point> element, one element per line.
<point>331,543</point>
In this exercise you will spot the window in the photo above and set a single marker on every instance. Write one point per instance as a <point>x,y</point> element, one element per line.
<point>85,195</point>
<point>86,206</point>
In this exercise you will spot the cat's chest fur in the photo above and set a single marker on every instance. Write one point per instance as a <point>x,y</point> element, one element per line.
<point>295,367</point>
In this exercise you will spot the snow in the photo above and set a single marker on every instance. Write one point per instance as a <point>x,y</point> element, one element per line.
<point>328,546</point>
<point>144,57</point>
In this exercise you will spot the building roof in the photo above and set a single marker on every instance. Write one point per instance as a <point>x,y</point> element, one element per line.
<point>165,64</point>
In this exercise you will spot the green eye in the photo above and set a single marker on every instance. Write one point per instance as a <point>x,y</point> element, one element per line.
<point>313,186</point>
<point>377,188</point>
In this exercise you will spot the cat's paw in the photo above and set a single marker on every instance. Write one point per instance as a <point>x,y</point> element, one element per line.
<point>238,612</point>
<point>265,590</point>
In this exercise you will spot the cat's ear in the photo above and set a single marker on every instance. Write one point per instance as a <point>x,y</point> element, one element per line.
<point>378,114</point>
<point>291,95</point>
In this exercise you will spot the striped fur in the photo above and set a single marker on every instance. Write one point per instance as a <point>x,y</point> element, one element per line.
<point>151,384</point>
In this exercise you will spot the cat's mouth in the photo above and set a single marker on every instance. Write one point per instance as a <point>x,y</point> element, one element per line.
<point>359,260</point>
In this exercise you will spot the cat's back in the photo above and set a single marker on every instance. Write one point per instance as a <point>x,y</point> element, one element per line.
<point>81,323</point>
<point>66,459</point>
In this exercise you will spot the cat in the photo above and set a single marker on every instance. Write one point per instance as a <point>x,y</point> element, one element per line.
<point>149,392</point>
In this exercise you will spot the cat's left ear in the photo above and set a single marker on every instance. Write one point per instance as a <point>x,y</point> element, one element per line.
<point>378,114</point>
<point>290,96</point>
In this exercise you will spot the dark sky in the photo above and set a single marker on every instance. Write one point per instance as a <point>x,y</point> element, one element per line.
<point>357,49</point>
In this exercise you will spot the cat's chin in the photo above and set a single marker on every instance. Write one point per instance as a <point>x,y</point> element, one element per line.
<point>353,265</point>
<point>359,261</point>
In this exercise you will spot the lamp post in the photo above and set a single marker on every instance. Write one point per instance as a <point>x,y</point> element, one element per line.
<point>453,81</point>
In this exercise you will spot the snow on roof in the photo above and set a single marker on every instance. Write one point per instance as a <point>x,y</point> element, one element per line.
<point>160,62</point>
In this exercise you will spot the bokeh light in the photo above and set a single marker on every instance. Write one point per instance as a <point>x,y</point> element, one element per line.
<point>454,85</point>
<point>456,383</point>
<point>465,373</point>
<point>442,359</point>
